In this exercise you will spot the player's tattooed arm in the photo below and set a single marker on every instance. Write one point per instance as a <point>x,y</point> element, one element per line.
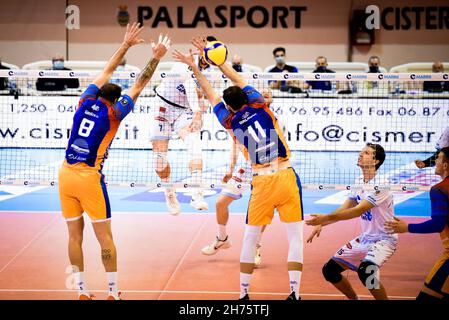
<point>159,50</point>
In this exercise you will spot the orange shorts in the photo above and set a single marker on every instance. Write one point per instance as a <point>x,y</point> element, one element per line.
<point>438,278</point>
<point>282,191</point>
<point>83,190</point>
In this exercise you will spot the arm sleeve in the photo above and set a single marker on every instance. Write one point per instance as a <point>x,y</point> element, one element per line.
<point>223,115</point>
<point>253,95</point>
<point>123,107</point>
<point>192,95</point>
<point>439,203</point>
<point>90,93</point>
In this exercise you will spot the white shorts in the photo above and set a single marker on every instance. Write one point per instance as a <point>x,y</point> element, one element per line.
<point>356,251</point>
<point>239,182</point>
<point>169,120</point>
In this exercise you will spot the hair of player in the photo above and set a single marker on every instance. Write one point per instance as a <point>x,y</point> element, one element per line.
<point>379,153</point>
<point>278,49</point>
<point>235,98</point>
<point>211,38</point>
<point>110,92</point>
<point>445,151</point>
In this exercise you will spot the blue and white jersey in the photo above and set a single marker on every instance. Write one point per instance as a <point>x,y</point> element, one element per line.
<point>372,222</point>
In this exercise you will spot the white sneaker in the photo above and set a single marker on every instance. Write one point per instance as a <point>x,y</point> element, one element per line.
<point>172,202</point>
<point>198,202</point>
<point>215,246</point>
<point>258,258</point>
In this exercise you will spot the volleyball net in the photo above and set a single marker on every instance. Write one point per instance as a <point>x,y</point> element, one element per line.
<point>328,119</point>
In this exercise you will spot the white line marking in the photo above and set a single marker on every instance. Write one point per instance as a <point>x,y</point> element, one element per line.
<point>45,228</point>
<point>185,254</point>
<point>199,292</point>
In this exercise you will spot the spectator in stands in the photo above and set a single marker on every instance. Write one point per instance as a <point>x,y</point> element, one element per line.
<point>373,64</point>
<point>124,83</point>
<point>3,81</point>
<point>321,67</point>
<point>436,86</point>
<point>57,84</point>
<point>279,55</point>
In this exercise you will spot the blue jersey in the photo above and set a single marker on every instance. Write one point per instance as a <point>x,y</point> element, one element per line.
<point>255,127</point>
<point>95,124</point>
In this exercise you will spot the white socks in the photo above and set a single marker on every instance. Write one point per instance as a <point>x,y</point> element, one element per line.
<point>222,234</point>
<point>112,283</point>
<point>295,280</point>
<point>244,284</point>
<point>80,284</point>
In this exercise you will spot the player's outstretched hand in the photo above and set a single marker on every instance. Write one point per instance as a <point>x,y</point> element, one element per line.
<point>160,49</point>
<point>396,226</point>
<point>132,34</point>
<point>197,122</point>
<point>317,219</point>
<point>316,232</point>
<point>186,58</point>
<point>420,164</point>
<point>199,42</point>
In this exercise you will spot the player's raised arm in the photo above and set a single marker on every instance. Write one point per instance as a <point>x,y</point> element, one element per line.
<point>200,43</point>
<point>131,38</point>
<point>159,50</point>
<point>187,58</point>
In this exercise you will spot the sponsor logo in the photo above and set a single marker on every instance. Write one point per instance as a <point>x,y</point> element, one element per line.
<point>95,108</point>
<point>41,73</point>
<point>11,73</point>
<point>349,76</point>
<point>255,76</point>
<point>420,76</point>
<point>286,76</point>
<point>71,74</point>
<point>132,74</point>
<point>445,76</point>
<point>163,75</point>
<point>317,76</point>
<point>380,76</point>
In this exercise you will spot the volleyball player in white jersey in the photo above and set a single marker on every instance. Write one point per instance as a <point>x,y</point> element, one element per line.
<point>180,112</point>
<point>374,246</point>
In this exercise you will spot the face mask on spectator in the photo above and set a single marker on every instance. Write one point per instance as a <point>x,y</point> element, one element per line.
<point>321,69</point>
<point>58,64</point>
<point>374,69</point>
<point>237,67</point>
<point>280,59</point>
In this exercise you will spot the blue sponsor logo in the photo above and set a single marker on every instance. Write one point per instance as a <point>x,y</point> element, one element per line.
<point>367,216</point>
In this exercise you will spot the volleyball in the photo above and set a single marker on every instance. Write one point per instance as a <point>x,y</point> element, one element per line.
<point>215,53</point>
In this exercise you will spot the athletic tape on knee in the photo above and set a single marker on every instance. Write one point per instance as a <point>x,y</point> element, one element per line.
<point>295,231</point>
<point>193,145</point>
<point>249,243</point>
